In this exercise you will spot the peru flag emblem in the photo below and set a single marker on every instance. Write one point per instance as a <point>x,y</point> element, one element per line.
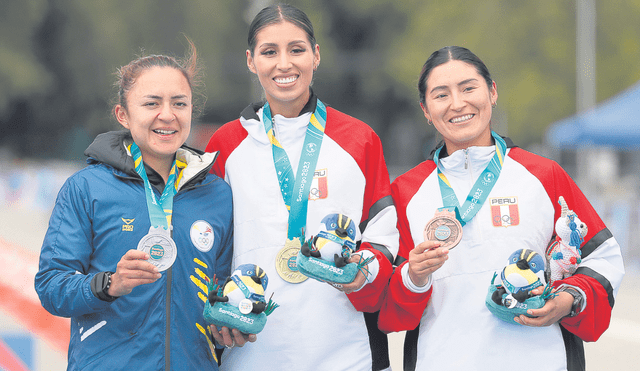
<point>319,188</point>
<point>504,211</point>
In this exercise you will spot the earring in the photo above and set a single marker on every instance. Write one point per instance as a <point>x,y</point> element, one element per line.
<point>494,104</point>
<point>430,122</point>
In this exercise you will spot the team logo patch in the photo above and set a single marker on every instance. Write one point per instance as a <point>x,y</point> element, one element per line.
<point>311,147</point>
<point>319,188</point>
<point>127,226</point>
<point>202,235</point>
<point>488,178</point>
<point>504,211</point>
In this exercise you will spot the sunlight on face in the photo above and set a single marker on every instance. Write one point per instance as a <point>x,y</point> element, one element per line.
<point>458,101</point>
<point>158,114</point>
<point>284,61</point>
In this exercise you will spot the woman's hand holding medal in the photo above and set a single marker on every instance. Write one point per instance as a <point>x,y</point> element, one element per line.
<point>132,270</point>
<point>425,259</point>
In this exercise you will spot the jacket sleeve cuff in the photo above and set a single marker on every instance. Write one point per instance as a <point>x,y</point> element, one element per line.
<point>406,280</point>
<point>584,296</point>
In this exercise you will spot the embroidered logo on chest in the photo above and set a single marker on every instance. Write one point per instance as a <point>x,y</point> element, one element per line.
<point>127,226</point>
<point>202,235</point>
<point>504,211</point>
<point>319,188</point>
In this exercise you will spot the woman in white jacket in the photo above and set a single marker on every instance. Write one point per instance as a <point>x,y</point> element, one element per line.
<point>504,199</point>
<point>292,160</point>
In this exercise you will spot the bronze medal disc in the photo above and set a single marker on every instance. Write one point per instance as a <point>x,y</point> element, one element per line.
<point>444,228</point>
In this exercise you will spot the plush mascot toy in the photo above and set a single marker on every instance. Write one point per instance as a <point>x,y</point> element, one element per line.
<point>325,257</point>
<point>563,254</point>
<point>239,303</point>
<point>512,295</point>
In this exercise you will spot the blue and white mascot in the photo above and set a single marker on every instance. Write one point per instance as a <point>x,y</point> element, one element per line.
<point>510,295</point>
<point>239,303</point>
<point>325,257</point>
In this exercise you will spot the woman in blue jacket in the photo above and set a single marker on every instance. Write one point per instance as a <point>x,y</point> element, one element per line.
<point>135,236</point>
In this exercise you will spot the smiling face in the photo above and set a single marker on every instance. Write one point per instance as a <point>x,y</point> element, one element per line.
<point>458,102</point>
<point>158,114</point>
<point>284,61</point>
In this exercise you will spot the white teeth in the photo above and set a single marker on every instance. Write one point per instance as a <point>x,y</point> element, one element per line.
<point>286,80</point>
<point>460,119</point>
<point>164,132</point>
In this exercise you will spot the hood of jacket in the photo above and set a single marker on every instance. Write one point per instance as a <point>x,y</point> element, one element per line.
<point>110,148</point>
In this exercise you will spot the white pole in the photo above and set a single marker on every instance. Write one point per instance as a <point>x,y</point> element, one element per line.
<point>585,77</point>
<point>585,54</point>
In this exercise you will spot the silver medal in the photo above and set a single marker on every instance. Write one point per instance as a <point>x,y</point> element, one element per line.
<point>160,247</point>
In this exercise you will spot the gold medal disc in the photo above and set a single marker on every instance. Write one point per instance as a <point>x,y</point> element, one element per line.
<point>286,262</point>
<point>444,227</point>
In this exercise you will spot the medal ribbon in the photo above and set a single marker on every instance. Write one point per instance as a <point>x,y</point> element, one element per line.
<point>480,190</point>
<point>515,289</point>
<point>241,286</point>
<point>160,211</point>
<point>245,290</point>
<point>336,239</point>
<point>296,198</point>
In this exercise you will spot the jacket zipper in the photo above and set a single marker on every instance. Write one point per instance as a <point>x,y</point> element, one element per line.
<point>466,158</point>
<point>167,337</point>
<point>167,302</point>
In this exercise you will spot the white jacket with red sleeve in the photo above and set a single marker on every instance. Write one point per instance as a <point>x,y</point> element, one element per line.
<point>315,326</point>
<point>455,330</point>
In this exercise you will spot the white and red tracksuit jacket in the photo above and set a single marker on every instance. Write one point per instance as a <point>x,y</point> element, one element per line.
<point>316,327</point>
<point>453,328</point>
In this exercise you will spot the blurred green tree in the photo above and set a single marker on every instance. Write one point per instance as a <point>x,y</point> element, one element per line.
<point>57,60</point>
<point>57,71</point>
<point>530,49</point>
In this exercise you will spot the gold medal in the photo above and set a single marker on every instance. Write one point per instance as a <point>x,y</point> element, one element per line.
<point>286,262</point>
<point>444,227</point>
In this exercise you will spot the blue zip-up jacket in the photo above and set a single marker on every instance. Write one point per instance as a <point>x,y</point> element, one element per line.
<point>100,214</point>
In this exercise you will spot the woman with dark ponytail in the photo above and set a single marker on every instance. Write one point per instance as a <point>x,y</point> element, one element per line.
<point>337,168</point>
<point>462,213</point>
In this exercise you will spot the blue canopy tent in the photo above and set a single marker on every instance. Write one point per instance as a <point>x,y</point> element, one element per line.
<point>613,123</point>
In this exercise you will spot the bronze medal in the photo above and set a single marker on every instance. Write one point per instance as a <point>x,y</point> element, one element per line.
<point>444,227</point>
<point>286,265</point>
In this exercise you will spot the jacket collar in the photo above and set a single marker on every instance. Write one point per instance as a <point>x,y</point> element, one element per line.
<point>251,111</point>
<point>110,148</point>
<point>444,152</point>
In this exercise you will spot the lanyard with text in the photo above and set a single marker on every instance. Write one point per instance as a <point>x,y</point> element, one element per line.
<point>481,188</point>
<point>297,197</point>
<point>160,211</point>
